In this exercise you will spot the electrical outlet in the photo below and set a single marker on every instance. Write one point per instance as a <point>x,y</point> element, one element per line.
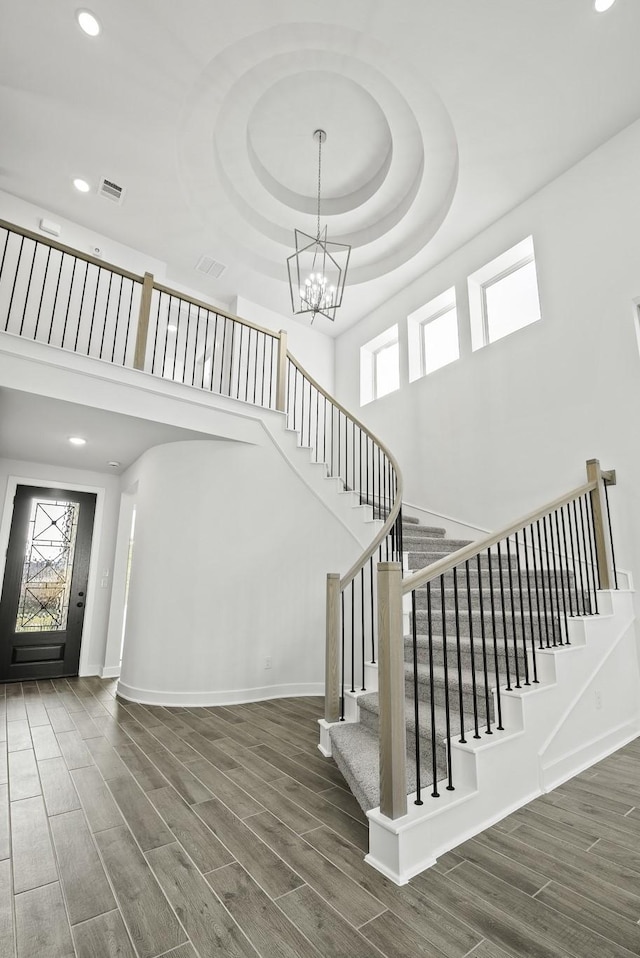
<point>598,698</point>
<point>267,662</point>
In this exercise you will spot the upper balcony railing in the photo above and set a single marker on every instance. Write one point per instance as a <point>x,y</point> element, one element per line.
<point>53,294</point>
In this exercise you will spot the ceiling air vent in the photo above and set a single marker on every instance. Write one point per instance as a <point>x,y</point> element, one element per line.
<point>210,266</point>
<point>111,190</point>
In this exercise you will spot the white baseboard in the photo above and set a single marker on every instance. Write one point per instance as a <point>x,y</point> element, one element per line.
<point>110,671</point>
<point>230,697</point>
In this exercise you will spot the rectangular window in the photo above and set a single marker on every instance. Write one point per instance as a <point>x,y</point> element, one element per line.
<point>380,366</point>
<point>503,295</point>
<point>433,335</point>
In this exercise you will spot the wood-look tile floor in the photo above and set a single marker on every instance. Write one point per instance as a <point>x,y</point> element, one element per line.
<point>142,831</point>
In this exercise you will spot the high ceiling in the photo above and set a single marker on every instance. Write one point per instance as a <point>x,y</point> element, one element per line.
<point>441,115</point>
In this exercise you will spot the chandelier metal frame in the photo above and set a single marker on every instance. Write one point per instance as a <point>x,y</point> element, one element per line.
<point>318,268</point>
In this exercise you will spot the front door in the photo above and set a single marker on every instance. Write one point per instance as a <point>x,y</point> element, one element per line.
<point>45,583</point>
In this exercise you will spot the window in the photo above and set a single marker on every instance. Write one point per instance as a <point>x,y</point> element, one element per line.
<point>433,335</point>
<point>503,295</point>
<point>379,366</point>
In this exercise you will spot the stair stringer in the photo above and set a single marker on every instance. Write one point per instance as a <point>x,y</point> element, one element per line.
<point>545,743</point>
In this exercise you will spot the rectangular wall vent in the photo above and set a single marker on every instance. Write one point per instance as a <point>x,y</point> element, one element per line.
<point>111,190</point>
<point>210,266</point>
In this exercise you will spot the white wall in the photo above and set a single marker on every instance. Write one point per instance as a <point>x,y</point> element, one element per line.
<point>229,569</point>
<point>107,489</point>
<point>510,426</point>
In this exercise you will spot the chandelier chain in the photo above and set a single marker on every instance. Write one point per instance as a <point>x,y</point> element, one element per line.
<point>319,172</point>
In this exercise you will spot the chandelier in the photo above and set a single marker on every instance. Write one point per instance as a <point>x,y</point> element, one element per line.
<point>318,268</point>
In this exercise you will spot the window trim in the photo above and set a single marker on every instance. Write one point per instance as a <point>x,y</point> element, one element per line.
<point>418,320</point>
<point>499,268</point>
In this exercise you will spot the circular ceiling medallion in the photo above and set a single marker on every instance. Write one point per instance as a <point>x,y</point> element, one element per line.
<point>249,160</point>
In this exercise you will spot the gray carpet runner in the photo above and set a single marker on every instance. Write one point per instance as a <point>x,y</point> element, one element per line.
<point>355,745</point>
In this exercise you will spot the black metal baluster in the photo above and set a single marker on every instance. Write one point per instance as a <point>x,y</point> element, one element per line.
<point>450,787</point>
<point>15,280</point>
<point>44,284</point>
<point>117,324</point>
<point>106,313</point>
<point>513,612</point>
<point>68,309</point>
<point>474,690</point>
<point>434,763</point>
<point>353,455</point>
<point>231,355</point>
<point>456,605</point>
<point>483,638</point>
<point>504,617</point>
<point>613,553</point>
<point>353,637</point>
<point>552,613</point>
<point>126,335</point>
<point>339,444</point>
<point>580,561</point>
<point>563,588</point>
<point>544,575</point>
<point>586,562</point>
<point>26,298</point>
<point>84,286</point>
<point>362,632</point>
<point>555,578</point>
<point>539,581</point>
<point>346,456</point>
<point>529,599</point>
<point>317,423</point>
<point>522,621</point>
<point>596,584</point>
<point>566,555</point>
<point>371,595</point>
<point>416,707</point>
<point>93,311</point>
<point>496,661</point>
<point>324,432</point>
<point>55,298</point>
<point>342,657</point>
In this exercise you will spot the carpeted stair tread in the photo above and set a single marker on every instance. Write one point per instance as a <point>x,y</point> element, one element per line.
<point>423,543</point>
<point>370,703</point>
<point>423,532</point>
<point>355,750</point>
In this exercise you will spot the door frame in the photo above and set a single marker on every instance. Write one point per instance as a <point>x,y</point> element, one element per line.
<point>85,667</point>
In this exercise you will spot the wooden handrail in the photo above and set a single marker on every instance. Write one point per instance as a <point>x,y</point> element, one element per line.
<point>78,254</point>
<point>214,309</point>
<point>135,277</point>
<point>393,514</point>
<point>436,569</point>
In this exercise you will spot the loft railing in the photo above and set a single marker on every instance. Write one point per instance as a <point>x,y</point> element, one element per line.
<point>478,622</point>
<point>57,295</point>
<point>54,294</point>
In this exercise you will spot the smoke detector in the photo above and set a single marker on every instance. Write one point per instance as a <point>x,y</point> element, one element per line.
<point>111,191</point>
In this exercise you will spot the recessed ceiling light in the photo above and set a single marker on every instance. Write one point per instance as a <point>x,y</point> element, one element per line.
<point>602,5</point>
<point>114,464</point>
<point>77,441</point>
<point>81,185</point>
<point>88,23</point>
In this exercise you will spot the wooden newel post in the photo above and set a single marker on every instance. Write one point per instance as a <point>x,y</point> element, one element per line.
<point>332,659</point>
<point>602,534</point>
<point>281,376</point>
<point>391,696</point>
<point>143,322</point>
